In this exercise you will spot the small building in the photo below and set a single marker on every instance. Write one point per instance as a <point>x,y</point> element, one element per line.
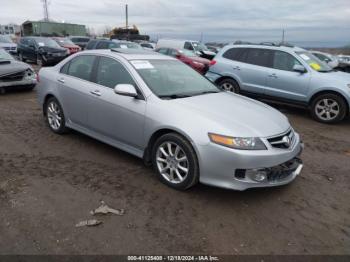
<point>50,28</point>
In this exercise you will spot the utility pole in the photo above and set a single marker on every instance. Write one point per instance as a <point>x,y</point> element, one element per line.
<point>46,10</point>
<point>283,37</point>
<point>201,40</point>
<point>126,17</point>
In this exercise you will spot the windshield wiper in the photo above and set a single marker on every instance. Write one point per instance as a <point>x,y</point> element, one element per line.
<point>174,96</point>
<point>207,92</point>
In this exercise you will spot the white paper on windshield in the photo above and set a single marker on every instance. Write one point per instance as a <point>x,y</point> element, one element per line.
<point>142,64</point>
<point>41,44</point>
<point>305,57</point>
<point>124,46</point>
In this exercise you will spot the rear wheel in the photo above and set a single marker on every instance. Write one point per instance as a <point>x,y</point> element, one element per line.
<point>328,108</point>
<point>230,85</point>
<point>175,161</point>
<point>55,117</point>
<point>39,60</point>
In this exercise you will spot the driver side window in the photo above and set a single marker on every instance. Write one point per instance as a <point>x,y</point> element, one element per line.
<point>188,46</point>
<point>284,61</point>
<point>111,73</point>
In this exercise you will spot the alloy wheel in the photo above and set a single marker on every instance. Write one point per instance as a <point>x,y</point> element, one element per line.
<point>54,115</point>
<point>327,109</point>
<point>172,162</point>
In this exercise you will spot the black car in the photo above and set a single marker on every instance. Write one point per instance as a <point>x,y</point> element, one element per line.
<point>108,44</point>
<point>42,50</point>
<point>80,41</point>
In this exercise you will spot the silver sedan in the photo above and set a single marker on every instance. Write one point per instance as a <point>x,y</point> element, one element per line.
<point>159,109</point>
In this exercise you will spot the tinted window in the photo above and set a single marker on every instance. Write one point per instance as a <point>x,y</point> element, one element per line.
<point>235,54</point>
<point>163,51</point>
<point>81,67</point>
<point>91,44</point>
<point>284,61</point>
<point>188,46</point>
<point>64,69</point>
<point>259,57</point>
<point>111,73</point>
<point>102,45</point>
<point>173,52</point>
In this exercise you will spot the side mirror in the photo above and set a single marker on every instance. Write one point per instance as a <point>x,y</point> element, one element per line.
<point>327,60</point>
<point>125,90</point>
<point>299,68</point>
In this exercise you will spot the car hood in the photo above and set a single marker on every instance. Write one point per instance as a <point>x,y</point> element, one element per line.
<point>13,67</point>
<point>235,115</point>
<point>53,49</point>
<point>341,78</point>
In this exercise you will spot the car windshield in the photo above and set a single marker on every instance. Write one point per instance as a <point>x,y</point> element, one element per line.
<point>315,63</point>
<point>4,55</point>
<point>172,79</point>
<point>187,53</point>
<point>199,47</point>
<point>127,45</point>
<point>5,39</point>
<point>42,41</point>
<point>64,41</point>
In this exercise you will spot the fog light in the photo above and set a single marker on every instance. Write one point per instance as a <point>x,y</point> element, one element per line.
<point>257,175</point>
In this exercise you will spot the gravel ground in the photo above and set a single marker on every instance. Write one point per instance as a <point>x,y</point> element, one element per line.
<point>48,183</point>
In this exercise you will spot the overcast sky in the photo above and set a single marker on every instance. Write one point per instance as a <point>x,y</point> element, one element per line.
<point>322,22</point>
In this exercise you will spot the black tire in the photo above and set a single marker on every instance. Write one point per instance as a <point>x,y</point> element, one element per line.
<point>62,127</point>
<point>192,176</point>
<point>228,84</point>
<point>333,99</point>
<point>29,88</point>
<point>40,61</point>
<point>20,57</point>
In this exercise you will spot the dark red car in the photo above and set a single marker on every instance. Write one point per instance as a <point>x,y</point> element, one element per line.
<point>67,44</point>
<point>188,57</point>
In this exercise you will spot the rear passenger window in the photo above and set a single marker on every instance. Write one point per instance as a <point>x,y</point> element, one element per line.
<point>284,61</point>
<point>235,54</point>
<point>163,51</point>
<point>111,73</point>
<point>102,45</point>
<point>81,67</point>
<point>91,45</point>
<point>64,69</point>
<point>259,57</point>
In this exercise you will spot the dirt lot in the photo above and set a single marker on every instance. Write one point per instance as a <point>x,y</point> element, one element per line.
<point>48,183</point>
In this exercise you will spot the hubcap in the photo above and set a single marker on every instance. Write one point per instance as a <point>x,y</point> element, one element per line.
<point>172,162</point>
<point>39,62</point>
<point>327,109</point>
<point>54,115</point>
<point>228,87</point>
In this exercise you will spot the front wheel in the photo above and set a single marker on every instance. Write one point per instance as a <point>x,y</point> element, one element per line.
<point>229,85</point>
<point>39,61</point>
<point>21,58</point>
<point>175,161</point>
<point>55,117</point>
<point>328,108</point>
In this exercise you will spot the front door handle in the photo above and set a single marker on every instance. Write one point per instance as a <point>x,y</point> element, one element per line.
<point>96,92</point>
<point>273,76</point>
<point>236,68</point>
<point>61,80</point>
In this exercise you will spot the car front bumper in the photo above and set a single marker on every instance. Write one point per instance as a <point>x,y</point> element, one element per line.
<point>220,166</point>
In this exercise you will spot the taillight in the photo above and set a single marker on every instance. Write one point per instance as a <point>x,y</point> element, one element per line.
<point>212,62</point>
<point>37,77</point>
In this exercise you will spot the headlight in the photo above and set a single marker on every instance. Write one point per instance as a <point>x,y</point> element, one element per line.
<point>243,143</point>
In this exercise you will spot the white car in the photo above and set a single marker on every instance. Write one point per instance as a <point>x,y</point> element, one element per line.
<point>7,44</point>
<point>329,59</point>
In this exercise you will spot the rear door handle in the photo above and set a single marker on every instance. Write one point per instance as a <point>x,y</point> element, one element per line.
<point>61,80</point>
<point>96,93</point>
<point>273,76</point>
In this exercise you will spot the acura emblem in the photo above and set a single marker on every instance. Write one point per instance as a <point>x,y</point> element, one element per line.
<point>286,141</point>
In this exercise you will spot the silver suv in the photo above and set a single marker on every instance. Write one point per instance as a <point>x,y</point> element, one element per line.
<point>159,109</point>
<point>284,74</point>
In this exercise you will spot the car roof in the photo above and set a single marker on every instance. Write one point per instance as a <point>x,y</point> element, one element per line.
<point>272,47</point>
<point>129,54</point>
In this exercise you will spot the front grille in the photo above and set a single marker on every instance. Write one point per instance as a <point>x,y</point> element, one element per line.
<point>283,141</point>
<point>284,170</point>
<point>13,77</point>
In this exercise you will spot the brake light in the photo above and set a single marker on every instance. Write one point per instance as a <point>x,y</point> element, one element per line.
<point>212,62</point>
